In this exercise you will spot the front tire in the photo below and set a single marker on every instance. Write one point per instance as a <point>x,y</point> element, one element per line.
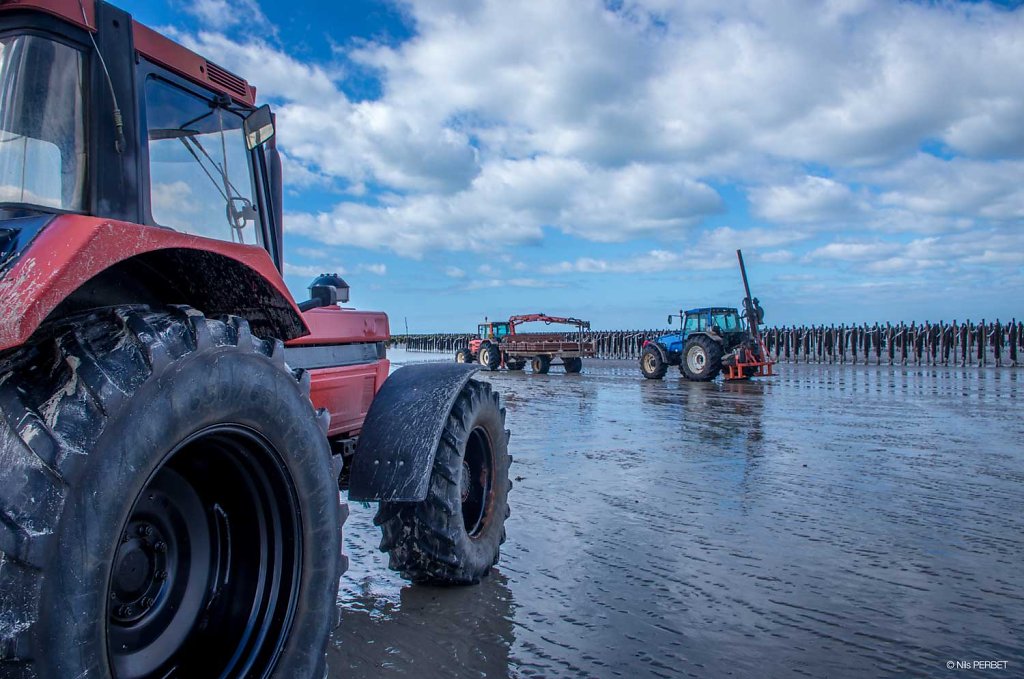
<point>167,501</point>
<point>463,356</point>
<point>454,536</point>
<point>702,359</point>
<point>490,357</point>
<point>652,365</point>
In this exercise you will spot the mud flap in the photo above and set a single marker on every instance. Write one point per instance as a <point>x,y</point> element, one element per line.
<point>396,448</point>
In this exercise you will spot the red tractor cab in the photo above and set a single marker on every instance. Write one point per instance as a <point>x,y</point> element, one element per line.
<point>173,424</point>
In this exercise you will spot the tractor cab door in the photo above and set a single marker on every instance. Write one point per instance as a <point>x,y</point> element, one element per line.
<point>501,330</point>
<point>694,323</point>
<point>482,330</point>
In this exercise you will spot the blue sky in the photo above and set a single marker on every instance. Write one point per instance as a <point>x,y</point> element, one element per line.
<point>465,158</point>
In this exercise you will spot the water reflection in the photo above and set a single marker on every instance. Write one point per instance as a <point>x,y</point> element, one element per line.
<point>428,631</point>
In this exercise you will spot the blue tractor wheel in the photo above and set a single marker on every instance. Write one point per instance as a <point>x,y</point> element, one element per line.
<point>702,359</point>
<point>652,364</point>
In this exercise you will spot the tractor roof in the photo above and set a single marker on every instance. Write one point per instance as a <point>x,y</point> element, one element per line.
<point>151,45</point>
<point>712,309</point>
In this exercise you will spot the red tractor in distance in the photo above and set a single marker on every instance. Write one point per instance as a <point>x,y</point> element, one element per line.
<point>498,344</point>
<point>173,424</point>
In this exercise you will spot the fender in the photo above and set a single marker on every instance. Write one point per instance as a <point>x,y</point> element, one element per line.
<point>72,250</point>
<point>660,349</point>
<point>396,449</point>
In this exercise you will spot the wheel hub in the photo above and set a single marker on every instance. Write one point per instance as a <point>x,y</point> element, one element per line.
<point>697,359</point>
<point>140,573</point>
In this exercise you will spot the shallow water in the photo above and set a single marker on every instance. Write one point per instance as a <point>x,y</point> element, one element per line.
<point>833,521</point>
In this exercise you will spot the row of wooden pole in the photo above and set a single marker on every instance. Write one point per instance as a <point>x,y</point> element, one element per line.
<point>941,343</point>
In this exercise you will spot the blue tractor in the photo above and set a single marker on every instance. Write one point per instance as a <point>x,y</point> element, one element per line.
<point>704,337</point>
<point>711,339</point>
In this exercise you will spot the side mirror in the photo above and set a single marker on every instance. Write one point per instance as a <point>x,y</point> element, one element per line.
<point>258,127</point>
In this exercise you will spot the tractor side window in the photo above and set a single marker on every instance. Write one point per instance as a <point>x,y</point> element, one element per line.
<point>500,330</point>
<point>481,331</point>
<point>42,123</point>
<point>199,169</point>
<point>692,324</point>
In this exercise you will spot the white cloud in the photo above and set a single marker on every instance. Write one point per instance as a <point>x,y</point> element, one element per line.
<point>854,251</point>
<point>810,200</point>
<point>309,271</point>
<point>482,284</point>
<point>454,272</point>
<point>613,124</point>
<point>227,14</point>
<point>926,185</point>
<point>375,269</point>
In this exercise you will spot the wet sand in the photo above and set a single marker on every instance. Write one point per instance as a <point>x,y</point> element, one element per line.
<point>834,521</point>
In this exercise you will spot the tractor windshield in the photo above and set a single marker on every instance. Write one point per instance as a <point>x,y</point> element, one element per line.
<point>42,131</point>
<point>727,321</point>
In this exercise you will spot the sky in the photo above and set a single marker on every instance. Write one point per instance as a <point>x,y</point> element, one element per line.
<point>462,159</point>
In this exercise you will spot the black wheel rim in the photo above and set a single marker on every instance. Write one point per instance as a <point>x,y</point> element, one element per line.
<point>205,578</point>
<point>477,482</point>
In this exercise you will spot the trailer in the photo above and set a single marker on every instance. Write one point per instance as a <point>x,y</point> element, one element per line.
<point>500,344</point>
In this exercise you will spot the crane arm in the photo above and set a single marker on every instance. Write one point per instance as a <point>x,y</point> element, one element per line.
<point>514,321</point>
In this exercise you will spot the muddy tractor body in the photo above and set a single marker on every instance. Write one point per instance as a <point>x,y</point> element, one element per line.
<point>173,423</point>
<point>710,341</point>
<point>499,345</point>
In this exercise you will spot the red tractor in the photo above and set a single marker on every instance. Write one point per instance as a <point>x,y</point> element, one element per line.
<point>498,344</point>
<point>173,425</point>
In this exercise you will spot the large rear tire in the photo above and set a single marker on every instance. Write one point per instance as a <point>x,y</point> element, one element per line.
<point>454,536</point>
<point>169,503</point>
<point>652,365</point>
<point>702,359</point>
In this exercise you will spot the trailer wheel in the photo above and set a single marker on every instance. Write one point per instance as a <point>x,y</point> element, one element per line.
<point>515,363</point>
<point>573,365</point>
<point>167,503</point>
<point>702,359</point>
<point>540,364</point>
<point>463,356</point>
<point>490,356</point>
<point>652,365</point>
<point>454,536</point>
